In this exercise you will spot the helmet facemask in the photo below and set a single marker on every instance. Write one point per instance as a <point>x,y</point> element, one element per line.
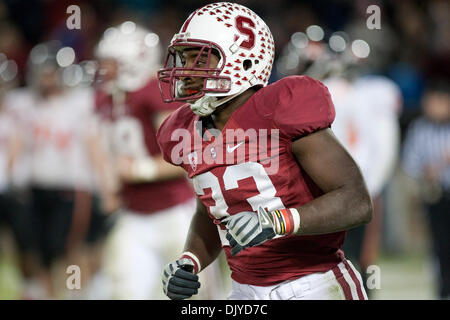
<point>182,82</point>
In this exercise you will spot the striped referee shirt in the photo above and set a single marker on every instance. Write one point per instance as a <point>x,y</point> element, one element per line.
<point>428,143</point>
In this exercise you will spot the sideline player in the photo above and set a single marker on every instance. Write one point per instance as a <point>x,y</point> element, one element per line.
<point>14,205</point>
<point>58,131</point>
<point>157,199</point>
<point>281,205</point>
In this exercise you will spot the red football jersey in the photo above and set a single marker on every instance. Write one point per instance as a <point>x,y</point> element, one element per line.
<point>254,166</point>
<point>134,134</point>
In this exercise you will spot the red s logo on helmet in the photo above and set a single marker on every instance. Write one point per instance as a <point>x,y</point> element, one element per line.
<point>250,42</point>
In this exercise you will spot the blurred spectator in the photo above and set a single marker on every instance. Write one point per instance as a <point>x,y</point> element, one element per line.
<point>426,157</point>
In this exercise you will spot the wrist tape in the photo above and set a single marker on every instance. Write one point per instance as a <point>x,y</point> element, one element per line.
<point>285,221</point>
<point>194,259</point>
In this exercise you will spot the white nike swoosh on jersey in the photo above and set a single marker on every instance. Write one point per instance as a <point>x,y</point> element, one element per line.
<point>231,149</point>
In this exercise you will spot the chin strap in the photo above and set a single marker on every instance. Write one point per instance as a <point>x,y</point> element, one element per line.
<point>207,104</point>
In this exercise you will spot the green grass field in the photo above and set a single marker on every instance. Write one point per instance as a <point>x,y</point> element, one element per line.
<point>407,277</point>
<point>9,278</point>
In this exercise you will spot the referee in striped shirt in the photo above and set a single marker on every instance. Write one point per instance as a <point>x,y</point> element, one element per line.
<point>426,157</point>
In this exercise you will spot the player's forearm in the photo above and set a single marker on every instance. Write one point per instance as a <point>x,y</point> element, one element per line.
<point>337,210</point>
<point>345,203</point>
<point>203,239</point>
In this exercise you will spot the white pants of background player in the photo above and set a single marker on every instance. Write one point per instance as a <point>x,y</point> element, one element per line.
<point>341,283</point>
<point>139,248</point>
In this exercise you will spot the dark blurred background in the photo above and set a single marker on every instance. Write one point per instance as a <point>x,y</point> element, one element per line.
<point>411,46</point>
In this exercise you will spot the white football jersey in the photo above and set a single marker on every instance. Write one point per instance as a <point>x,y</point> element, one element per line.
<point>57,129</point>
<point>16,106</point>
<point>367,124</point>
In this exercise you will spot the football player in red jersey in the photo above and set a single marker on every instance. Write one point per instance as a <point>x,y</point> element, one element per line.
<point>275,189</point>
<point>154,194</point>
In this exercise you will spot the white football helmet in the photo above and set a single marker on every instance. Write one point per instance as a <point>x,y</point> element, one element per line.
<point>136,50</point>
<point>244,43</point>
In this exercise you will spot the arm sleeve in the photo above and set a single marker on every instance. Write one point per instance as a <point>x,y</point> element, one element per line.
<point>302,106</point>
